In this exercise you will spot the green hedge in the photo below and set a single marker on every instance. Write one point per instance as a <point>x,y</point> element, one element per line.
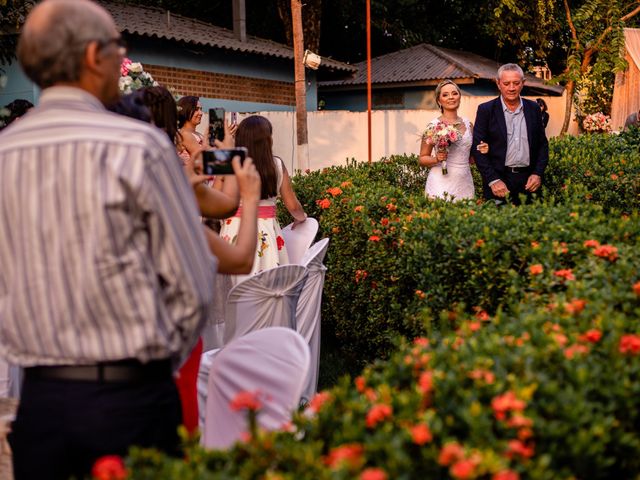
<point>532,367</point>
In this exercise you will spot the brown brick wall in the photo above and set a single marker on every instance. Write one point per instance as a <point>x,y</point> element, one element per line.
<point>221,85</point>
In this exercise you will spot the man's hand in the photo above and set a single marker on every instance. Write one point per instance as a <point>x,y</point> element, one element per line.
<point>499,189</point>
<point>533,183</point>
<point>248,179</point>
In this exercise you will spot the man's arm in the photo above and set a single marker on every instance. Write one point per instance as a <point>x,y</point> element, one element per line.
<point>181,262</point>
<point>543,146</point>
<point>481,134</point>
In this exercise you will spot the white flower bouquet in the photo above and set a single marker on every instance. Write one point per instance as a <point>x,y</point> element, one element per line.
<point>133,77</point>
<point>597,123</point>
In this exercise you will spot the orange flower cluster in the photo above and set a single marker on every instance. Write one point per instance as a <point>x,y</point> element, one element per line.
<point>359,208</point>
<point>536,269</point>
<point>575,306</point>
<point>575,349</point>
<point>334,191</point>
<point>319,400</point>
<point>566,274</point>
<point>461,466</point>
<point>373,474</point>
<point>506,475</point>
<point>420,434</point>
<point>374,238</point>
<point>591,336</point>
<point>636,288</point>
<point>109,467</point>
<point>361,275</point>
<point>629,344</point>
<point>608,252</point>
<point>324,203</point>
<point>246,401</point>
<point>517,448</point>
<point>485,375</point>
<point>350,454</point>
<point>378,413</point>
<point>505,403</point>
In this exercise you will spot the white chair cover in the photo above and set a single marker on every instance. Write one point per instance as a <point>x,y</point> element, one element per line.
<point>297,241</point>
<point>273,361</point>
<point>308,311</point>
<point>202,382</point>
<point>268,299</point>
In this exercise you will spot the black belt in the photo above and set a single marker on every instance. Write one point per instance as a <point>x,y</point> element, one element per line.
<point>105,372</point>
<point>516,169</point>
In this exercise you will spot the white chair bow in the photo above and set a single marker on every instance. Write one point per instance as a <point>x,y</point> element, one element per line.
<point>268,299</point>
<point>273,362</point>
<point>298,240</point>
<point>308,311</point>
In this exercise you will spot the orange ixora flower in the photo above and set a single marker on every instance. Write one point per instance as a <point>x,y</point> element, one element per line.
<point>109,467</point>
<point>463,469</point>
<point>359,208</point>
<point>349,454</point>
<point>334,191</point>
<point>575,306</point>
<point>420,294</point>
<point>591,336</point>
<point>629,344</point>
<point>591,243</point>
<point>246,401</point>
<point>319,400</point>
<point>636,288</point>
<point>373,474</point>
<point>575,349</point>
<point>391,207</point>
<point>420,434</point>
<point>346,184</point>
<point>361,275</point>
<point>518,448</point>
<point>324,203</point>
<point>450,452</point>
<point>361,383</point>
<point>536,269</point>
<point>608,252</point>
<point>378,413</point>
<point>566,274</point>
<point>506,475</point>
<point>425,382</point>
<point>506,402</point>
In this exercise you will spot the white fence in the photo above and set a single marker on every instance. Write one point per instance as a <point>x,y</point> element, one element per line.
<point>338,135</point>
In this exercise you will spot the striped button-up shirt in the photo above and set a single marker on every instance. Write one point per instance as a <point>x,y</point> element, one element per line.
<point>517,137</point>
<point>101,254</point>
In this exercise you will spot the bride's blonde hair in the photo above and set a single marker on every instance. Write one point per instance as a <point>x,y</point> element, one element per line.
<point>441,86</point>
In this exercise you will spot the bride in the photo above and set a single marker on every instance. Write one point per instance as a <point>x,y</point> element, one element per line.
<point>455,181</point>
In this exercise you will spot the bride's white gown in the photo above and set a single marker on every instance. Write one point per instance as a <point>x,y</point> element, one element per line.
<point>458,182</point>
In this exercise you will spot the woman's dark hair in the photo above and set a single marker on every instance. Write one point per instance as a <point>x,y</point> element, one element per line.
<point>187,106</point>
<point>132,105</point>
<point>164,112</point>
<point>254,133</point>
<point>17,108</point>
<point>542,104</point>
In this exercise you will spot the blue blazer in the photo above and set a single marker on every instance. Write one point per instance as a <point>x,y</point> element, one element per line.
<point>491,128</point>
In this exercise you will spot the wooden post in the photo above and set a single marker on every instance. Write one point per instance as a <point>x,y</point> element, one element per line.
<point>300,87</point>
<point>369,79</point>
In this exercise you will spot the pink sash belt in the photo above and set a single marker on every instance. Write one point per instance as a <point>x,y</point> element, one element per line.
<point>264,211</point>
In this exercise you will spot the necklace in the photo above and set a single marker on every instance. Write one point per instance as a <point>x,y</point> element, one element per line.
<point>455,123</point>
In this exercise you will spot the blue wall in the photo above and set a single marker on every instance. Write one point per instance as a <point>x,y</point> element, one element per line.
<point>18,85</point>
<point>170,54</point>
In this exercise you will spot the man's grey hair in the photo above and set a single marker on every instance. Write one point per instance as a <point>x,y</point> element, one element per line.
<point>510,67</point>
<point>51,49</point>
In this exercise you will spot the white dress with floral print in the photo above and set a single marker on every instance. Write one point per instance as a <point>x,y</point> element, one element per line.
<point>271,251</point>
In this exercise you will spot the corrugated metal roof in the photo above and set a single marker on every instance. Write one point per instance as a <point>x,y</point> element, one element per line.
<point>426,62</point>
<point>155,22</point>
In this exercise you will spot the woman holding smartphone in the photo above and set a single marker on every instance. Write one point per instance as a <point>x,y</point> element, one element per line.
<point>255,134</point>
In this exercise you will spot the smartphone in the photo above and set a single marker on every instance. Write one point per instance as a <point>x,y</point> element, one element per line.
<point>216,124</point>
<point>218,162</point>
<point>234,118</point>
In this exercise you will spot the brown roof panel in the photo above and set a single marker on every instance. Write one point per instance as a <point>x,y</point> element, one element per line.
<point>427,62</point>
<point>155,22</point>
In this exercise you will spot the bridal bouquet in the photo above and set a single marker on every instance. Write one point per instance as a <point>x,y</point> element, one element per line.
<point>441,135</point>
<point>597,123</point>
<point>133,77</point>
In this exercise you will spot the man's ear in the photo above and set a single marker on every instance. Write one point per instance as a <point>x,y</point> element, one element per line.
<point>92,57</point>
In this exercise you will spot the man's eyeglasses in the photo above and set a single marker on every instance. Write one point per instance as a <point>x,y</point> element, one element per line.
<point>117,41</point>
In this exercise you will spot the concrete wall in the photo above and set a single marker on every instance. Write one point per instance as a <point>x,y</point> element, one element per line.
<point>335,136</point>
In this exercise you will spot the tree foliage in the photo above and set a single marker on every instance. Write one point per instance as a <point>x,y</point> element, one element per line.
<point>12,16</point>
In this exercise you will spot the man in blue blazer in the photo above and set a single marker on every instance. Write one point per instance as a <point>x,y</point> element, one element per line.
<point>518,147</point>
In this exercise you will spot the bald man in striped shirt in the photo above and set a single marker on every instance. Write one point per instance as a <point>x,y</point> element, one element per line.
<point>106,278</point>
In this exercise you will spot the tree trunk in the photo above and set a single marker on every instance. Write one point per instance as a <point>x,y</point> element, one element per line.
<point>311,16</point>
<point>300,86</point>
<point>569,89</point>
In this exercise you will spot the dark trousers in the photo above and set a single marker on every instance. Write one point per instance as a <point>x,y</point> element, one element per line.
<point>515,182</point>
<point>63,426</point>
